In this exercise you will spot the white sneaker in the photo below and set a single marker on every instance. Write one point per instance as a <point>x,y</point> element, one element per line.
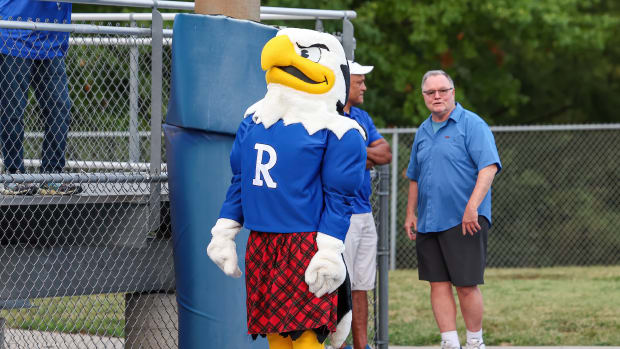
<point>475,344</point>
<point>449,345</point>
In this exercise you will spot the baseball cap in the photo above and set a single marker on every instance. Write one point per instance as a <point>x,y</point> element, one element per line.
<point>357,68</point>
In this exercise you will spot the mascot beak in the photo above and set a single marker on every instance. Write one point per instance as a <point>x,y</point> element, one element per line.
<point>301,72</point>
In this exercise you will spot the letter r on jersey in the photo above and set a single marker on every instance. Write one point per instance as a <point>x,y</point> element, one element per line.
<point>264,168</point>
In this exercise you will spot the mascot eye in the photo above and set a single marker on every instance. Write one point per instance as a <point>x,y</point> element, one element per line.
<point>312,53</point>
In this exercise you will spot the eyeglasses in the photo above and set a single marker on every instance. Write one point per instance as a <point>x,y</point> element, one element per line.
<point>442,92</point>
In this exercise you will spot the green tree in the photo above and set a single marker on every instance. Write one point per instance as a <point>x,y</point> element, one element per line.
<point>513,61</point>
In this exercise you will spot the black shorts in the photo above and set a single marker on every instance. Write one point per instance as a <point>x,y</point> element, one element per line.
<point>451,256</point>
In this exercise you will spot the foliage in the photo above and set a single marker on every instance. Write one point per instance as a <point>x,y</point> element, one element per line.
<point>513,61</point>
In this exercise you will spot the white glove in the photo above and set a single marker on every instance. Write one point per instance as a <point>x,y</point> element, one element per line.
<point>222,249</point>
<point>326,270</point>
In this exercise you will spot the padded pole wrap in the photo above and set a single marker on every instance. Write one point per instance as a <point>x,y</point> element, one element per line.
<point>246,9</point>
<point>216,75</point>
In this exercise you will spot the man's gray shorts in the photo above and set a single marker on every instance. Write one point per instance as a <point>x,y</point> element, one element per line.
<point>360,252</point>
<point>451,256</point>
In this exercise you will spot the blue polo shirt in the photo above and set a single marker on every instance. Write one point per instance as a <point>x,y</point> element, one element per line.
<point>361,202</point>
<point>34,44</point>
<point>287,181</point>
<point>446,164</point>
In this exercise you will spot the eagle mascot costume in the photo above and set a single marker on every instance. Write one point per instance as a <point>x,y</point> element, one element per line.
<point>296,163</point>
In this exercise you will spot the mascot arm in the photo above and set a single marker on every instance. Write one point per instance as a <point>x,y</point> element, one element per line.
<point>342,173</point>
<point>232,207</point>
<point>222,249</point>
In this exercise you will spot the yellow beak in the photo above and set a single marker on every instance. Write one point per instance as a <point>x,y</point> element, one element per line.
<point>279,59</point>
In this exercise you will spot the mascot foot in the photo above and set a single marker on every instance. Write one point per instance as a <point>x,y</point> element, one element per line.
<point>306,341</point>
<point>276,341</point>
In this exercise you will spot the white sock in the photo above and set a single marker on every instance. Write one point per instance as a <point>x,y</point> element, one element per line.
<point>474,335</point>
<point>451,337</point>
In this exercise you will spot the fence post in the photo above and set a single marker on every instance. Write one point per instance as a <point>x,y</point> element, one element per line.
<point>318,25</point>
<point>157,43</point>
<point>348,41</point>
<point>146,323</point>
<point>393,201</point>
<point>134,137</point>
<point>383,251</point>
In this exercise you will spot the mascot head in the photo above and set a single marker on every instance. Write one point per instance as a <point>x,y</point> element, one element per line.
<point>308,61</point>
<point>308,78</point>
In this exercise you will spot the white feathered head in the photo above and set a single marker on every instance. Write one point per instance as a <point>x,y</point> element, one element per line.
<point>307,81</point>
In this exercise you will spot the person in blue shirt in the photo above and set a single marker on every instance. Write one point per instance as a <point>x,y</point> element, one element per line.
<point>453,162</point>
<point>34,59</point>
<point>360,252</point>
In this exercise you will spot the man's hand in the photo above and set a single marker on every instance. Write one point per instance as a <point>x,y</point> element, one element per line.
<point>483,184</point>
<point>410,221</point>
<point>369,164</point>
<point>470,220</point>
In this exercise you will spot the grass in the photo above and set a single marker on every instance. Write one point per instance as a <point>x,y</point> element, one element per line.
<point>102,315</point>
<point>523,307</point>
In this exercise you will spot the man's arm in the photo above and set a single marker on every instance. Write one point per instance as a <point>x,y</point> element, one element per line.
<point>483,184</point>
<point>412,204</point>
<point>379,153</point>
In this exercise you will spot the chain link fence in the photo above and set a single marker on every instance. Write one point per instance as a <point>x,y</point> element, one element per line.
<point>85,226</point>
<point>556,201</point>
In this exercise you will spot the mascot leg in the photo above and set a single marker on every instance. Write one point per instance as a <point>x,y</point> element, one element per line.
<point>307,341</point>
<point>278,342</point>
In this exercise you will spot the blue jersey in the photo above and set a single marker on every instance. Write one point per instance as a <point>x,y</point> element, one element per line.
<point>286,180</point>
<point>34,44</point>
<point>446,163</point>
<point>361,203</point>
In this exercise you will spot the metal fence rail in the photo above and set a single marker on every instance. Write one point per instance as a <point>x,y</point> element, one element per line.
<point>554,203</point>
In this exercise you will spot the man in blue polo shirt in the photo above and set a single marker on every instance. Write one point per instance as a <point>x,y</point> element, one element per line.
<point>34,59</point>
<point>453,162</point>
<point>360,252</point>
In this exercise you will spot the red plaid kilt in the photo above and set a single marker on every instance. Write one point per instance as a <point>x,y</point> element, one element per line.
<point>278,299</point>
